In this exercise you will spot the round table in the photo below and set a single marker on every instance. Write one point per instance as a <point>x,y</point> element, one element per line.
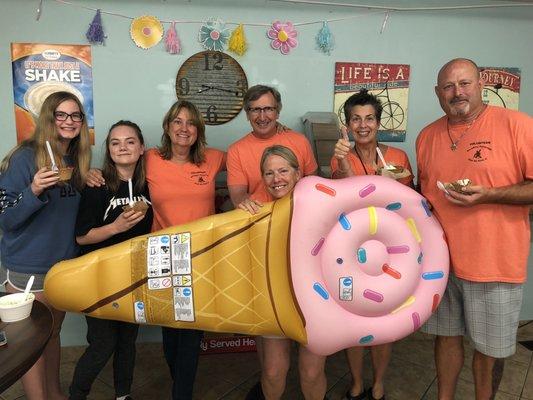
<point>26,340</point>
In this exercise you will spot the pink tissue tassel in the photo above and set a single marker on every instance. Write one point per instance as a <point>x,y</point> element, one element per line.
<point>172,42</point>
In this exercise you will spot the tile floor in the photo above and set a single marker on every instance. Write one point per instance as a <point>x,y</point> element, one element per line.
<point>411,374</point>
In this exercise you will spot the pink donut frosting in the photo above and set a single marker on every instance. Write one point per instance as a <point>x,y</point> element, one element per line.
<point>369,262</point>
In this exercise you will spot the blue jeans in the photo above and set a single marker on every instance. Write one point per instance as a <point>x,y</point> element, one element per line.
<point>182,348</point>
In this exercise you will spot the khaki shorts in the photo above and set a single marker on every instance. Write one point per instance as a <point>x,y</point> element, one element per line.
<point>487,312</point>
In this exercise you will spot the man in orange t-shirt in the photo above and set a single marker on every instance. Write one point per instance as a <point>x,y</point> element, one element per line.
<point>262,105</point>
<point>486,224</point>
<point>246,187</point>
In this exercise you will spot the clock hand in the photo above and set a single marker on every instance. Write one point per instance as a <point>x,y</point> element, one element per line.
<point>205,88</point>
<point>225,90</point>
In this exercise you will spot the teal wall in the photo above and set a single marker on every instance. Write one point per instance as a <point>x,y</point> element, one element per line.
<point>130,83</point>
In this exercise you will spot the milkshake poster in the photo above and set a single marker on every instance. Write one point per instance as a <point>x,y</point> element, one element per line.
<point>389,82</point>
<point>42,69</point>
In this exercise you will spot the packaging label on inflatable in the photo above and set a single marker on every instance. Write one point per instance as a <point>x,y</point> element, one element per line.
<point>346,288</point>
<point>168,261</point>
<point>140,316</point>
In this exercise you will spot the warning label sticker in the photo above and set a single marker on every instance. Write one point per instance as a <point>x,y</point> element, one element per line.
<point>168,261</point>
<point>183,304</point>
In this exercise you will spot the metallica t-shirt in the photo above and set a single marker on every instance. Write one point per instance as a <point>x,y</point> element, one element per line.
<point>100,207</point>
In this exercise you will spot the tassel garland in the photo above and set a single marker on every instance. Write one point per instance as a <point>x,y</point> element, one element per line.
<point>324,39</point>
<point>172,41</point>
<point>237,41</point>
<point>95,33</point>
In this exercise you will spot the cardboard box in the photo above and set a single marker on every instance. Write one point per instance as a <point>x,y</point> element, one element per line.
<point>322,130</point>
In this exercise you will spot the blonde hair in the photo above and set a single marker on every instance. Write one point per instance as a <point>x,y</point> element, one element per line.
<point>79,149</point>
<point>281,151</point>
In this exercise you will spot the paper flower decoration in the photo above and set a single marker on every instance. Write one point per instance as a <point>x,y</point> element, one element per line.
<point>213,35</point>
<point>146,31</point>
<point>283,36</point>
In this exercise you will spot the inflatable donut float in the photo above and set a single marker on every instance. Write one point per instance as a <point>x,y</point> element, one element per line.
<point>339,263</point>
<point>369,262</point>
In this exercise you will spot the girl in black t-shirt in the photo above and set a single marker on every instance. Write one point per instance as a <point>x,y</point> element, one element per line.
<point>102,222</point>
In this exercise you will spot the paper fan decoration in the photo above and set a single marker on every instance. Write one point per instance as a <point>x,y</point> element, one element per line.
<point>283,36</point>
<point>213,34</point>
<point>146,31</point>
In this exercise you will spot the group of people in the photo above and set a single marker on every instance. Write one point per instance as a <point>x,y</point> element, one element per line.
<point>486,224</point>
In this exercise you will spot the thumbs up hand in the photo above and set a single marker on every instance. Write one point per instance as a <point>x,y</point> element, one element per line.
<point>343,145</point>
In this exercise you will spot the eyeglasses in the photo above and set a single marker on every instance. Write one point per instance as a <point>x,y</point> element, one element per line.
<point>259,110</point>
<point>63,116</point>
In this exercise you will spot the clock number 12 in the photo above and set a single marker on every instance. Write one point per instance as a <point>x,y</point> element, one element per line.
<point>218,57</point>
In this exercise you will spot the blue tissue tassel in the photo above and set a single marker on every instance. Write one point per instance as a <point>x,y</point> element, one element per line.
<point>324,39</point>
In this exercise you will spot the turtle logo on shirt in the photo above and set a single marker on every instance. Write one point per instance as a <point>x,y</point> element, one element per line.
<point>479,151</point>
<point>200,177</point>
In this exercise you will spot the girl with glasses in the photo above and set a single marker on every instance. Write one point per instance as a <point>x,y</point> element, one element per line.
<point>38,214</point>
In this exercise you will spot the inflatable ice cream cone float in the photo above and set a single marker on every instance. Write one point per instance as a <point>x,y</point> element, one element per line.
<point>338,263</point>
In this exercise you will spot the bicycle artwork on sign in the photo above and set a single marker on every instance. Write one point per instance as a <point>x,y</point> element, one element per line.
<point>389,82</point>
<point>502,86</point>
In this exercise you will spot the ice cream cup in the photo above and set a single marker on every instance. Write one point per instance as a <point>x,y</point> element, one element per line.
<point>138,206</point>
<point>65,173</point>
<point>16,306</point>
<point>460,185</point>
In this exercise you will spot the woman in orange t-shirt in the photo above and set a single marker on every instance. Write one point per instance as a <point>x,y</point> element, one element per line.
<point>181,179</point>
<point>363,114</point>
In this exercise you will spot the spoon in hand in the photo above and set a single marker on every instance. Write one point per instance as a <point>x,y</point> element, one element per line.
<point>385,165</point>
<point>28,287</point>
<point>441,186</point>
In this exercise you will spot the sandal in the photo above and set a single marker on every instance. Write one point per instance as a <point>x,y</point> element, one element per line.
<point>371,397</point>
<point>360,396</point>
<point>256,392</point>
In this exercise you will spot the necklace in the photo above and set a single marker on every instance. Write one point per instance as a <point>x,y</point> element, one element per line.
<point>453,145</point>
<point>361,159</point>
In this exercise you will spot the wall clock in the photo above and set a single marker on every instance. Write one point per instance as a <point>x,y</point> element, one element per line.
<point>215,82</point>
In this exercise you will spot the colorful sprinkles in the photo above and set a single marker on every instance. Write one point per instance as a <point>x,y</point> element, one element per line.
<point>317,246</point>
<point>345,223</point>
<point>326,189</point>
<point>321,291</point>
<point>367,190</point>
<point>372,295</point>
<point>373,223</point>
<point>361,255</point>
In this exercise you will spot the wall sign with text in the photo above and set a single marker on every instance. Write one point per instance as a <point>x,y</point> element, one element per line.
<point>389,82</point>
<point>502,86</point>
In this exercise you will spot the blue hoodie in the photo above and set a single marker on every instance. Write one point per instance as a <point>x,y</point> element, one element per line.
<point>38,231</point>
